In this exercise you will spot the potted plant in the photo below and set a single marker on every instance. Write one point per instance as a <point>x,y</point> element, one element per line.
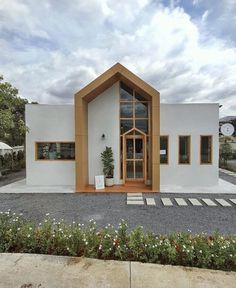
<point>108,166</point>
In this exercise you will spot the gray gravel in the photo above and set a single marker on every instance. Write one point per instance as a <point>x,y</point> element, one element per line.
<point>111,208</point>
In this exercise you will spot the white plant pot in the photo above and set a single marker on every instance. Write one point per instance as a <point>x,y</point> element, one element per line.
<point>109,182</point>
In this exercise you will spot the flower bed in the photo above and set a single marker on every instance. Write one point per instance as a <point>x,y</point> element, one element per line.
<point>18,235</point>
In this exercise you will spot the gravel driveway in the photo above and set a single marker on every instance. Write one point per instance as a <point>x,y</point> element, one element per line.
<point>110,208</point>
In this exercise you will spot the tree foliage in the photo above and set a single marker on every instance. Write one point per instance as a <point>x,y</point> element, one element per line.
<point>12,119</point>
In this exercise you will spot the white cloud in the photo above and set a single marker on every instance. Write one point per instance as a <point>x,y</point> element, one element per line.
<point>61,47</point>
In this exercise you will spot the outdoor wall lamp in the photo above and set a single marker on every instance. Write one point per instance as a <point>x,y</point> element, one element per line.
<point>103,136</point>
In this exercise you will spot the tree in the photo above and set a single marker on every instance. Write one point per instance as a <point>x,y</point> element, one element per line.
<point>225,151</point>
<point>12,119</point>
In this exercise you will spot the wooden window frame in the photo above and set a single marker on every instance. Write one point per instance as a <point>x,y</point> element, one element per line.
<point>167,150</point>
<point>50,142</point>
<point>189,149</point>
<point>200,150</point>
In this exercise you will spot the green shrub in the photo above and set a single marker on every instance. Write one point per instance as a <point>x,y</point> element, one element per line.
<point>18,235</point>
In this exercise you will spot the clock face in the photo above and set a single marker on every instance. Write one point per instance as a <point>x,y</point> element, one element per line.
<point>227,129</point>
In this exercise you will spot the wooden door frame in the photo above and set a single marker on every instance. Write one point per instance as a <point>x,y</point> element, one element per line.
<point>143,136</point>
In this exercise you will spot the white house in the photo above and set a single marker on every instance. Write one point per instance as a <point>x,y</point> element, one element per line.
<point>153,144</point>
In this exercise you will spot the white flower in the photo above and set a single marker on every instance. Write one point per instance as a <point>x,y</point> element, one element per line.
<point>40,224</point>
<point>200,251</point>
<point>86,243</point>
<point>30,228</point>
<point>45,220</point>
<point>28,235</point>
<point>70,236</point>
<point>53,235</point>
<point>74,223</point>
<point>47,214</point>
<point>18,229</point>
<point>67,248</point>
<point>230,255</point>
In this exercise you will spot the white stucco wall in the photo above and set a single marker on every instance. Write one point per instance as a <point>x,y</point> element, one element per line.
<point>49,123</point>
<point>194,120</point>
<point>103,118</point>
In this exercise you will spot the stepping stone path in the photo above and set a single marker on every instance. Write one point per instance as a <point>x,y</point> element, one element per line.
<point>150,201</point>
<point>135,199</point>
<point>195,202</point>
<point>223,202</point>
<point>209,202</point>
<point>233,200</point>
<point>181,202</point>
<point>166,202</point>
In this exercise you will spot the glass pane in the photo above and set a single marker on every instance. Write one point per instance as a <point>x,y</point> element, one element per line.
<point>184,143</point>
<point>139,97</point>
<point>129,148</point>
<point>67,150</point>
<point>138,148</point>
<point>125,125</point>
<point>56,151</point>
<point>142,125</point>
<point>164,150</point>
<point>138,169</point>
<point>206,149</point>
<point>126,110</point>
<point>126,93</point>
<point>141,110</point>
<point>130,169</point>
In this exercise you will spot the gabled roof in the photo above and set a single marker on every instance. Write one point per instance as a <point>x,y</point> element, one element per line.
<point>112,75</point>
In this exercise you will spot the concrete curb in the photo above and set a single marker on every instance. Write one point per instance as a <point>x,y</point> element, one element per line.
<point>46,271</point>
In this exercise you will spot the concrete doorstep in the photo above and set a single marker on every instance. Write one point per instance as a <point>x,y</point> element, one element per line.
<point>45,271</point>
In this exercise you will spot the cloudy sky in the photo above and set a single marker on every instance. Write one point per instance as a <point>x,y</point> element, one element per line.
<point>186,49</point>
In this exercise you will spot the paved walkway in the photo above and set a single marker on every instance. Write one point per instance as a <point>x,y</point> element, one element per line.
<point>12,177</point>
<point>142,199</point>
<point>224,187</point>
<point>45,271</point>
<point>227,176</point>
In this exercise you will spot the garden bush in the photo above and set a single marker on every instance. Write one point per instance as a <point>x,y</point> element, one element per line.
<point>18,235</point>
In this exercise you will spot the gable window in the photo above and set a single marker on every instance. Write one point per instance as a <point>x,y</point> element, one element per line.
<point>134,117</point>
<point>55,150</point>
<point>164,149</point>
<point>206,150</point>
<point>184,149</point>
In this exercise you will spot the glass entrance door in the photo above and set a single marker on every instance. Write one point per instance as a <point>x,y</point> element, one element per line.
<point>134,157</point>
